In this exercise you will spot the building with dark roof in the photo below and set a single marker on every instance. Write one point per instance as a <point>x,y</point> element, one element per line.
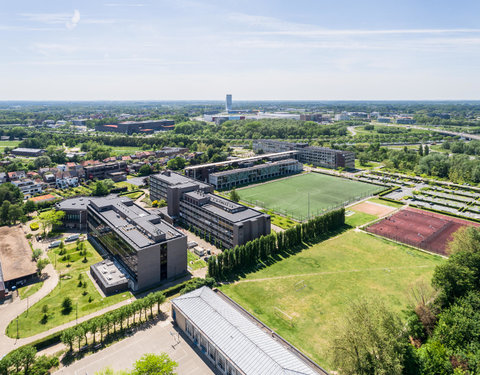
<point>318,156</point>
<point>75,212</point>
<point>142,127</point>
<point>220,220</point>
<point>233,341</point>
<point>256,173</point>
<point>30,152</point>
<point>149,249</point>
<point>104,170</point>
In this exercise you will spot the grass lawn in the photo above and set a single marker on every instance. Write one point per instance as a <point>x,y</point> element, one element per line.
<point>127,184</point>
<point>31,323</point>
<point>134,195</point>
<point>197,262</point>
<point>126,150</point>
<point>290,196</point>
<point>11,144</point>
<point>280,221</point>
<point>369,165</point>
<point>29,290</point>
<point>386,203</point>
<point>301,296</point>
<point>358,218</point>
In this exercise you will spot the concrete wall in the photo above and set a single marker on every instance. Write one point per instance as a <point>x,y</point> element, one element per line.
<point>177,257</point>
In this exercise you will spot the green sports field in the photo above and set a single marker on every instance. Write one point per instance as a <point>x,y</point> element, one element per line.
<point>300,297</point>
<point>290,196</point>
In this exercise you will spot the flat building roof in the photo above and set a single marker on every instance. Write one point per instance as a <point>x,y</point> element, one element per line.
<point>137,226</point>
<point>238,337</point>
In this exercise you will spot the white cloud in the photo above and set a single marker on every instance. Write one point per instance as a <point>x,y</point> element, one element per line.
<point>73,22</point>
<point>66,19</point>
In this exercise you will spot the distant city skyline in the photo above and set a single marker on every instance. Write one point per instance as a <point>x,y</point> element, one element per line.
<point>255,50</point>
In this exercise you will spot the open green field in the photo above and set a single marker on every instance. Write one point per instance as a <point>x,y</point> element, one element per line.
<point>87,297</point>
<point>11,144</point>
<point>291,196</point>
<point>300,297</point>
<point>125,150</point>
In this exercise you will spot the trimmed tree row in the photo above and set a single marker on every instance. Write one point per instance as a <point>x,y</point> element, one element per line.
<point>109,323</point>
<point>234,260</point>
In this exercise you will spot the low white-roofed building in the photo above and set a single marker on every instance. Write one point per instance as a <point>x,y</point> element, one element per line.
<point>233,341</point>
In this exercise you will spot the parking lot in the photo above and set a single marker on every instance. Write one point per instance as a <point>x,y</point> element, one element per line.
<point>163,337</point>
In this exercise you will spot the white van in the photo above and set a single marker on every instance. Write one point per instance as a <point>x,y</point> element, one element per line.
<point>199,251</point>
<point>54,244</point>
<point>73,237</point>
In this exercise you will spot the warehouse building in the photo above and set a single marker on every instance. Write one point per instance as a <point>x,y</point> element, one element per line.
<point>232,341</point>
<point>141,127</point>
<point>146,247</point>
<point>243,176</point>
<point>220,220</point>
<point>29,152</point>
<point>318,156</point>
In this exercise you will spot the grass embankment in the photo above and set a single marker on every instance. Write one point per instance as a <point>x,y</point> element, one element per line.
<point>29,290</point>
<point>86,296</point>
<point>301,296</point>
<point>386,203</point>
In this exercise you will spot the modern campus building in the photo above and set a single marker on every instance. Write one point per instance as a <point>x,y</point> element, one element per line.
<point>145,247</point>
<point>75,212</point>
<point>202,171</point>
<point>242,176</point>
<point>192,202</point>
<point>233,341</point>
<point>141,127</point>
<point>318,156</point>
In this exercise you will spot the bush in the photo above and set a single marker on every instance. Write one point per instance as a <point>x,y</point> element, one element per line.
<point>34,226</point>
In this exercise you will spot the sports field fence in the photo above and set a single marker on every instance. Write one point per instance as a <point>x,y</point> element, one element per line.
<point>313,212</point>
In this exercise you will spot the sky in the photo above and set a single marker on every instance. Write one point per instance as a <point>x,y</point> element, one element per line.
<point>253,49</point>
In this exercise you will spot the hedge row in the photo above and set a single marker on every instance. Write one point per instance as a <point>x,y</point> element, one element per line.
<point>234,260</point>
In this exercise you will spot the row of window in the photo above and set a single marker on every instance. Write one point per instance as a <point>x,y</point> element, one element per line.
<point>212,353</point>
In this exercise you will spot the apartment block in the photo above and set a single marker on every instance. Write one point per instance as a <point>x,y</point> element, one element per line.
<point>192,202</point>
<point>318,156</point>
<point>242,176</point>
<point>103,170</point>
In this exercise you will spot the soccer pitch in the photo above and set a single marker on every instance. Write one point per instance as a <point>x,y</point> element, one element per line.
<point>292,196</point>
<point>302,296</point>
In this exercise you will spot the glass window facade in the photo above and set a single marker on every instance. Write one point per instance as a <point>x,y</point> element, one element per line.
<point>101,232</point>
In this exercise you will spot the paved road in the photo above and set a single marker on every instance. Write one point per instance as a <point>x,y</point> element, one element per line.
<point>156,339</point>
<point>10,311</point>
<point>352,130</point>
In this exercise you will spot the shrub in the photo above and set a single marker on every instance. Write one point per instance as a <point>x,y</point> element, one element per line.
<point>67,306</point>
